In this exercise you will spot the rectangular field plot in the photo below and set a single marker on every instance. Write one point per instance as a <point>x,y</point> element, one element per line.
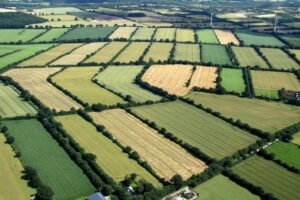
<point>51,35</point>
<point>106,53</point>
<point>215,54</point>
<point>204,77</point>
<point>259,39</point>
<point>35,81</point>
<point>122,32</point>
<point>296,52</point>
<point>12,185</point>
<point>194,126</point>
<point>87,33</point>
<point>247,56</point>
<point>165,157</point>
<point>110,156</point>
<point>171,78</point>
<point>232,80</point>
<point>16,35</point>
<point>143,34</point>
<point>292,40</point>
<point>226,37</point>
<point>50,55</point>
<point>275,116</point>
<point>159,52</point>
<point>187,52</point>
<point>268,83</point>
<point>78,81</point>
<point>273,178</point>
<point>121,80</point>
<point>221,187</point>
<point>165,34</point>
<point>40,151</point>
<point>12,105</point>
<point>279,59</point>
<point>79,54</point>
<point>132,52</point>
<point>207,36</point>
<point>185,35</point>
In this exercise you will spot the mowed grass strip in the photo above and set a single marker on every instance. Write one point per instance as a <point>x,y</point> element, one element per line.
<point>11,182</point>
<point>275,116</point>
<point>204,77</point>
<point>50,55</point>
<point>106,53</point>
<point>87,33</point>
<point>270,176</point>
<point>267,83</point>
<point>279,59</point>
<point>110,156</point>
<point>215,54</point>
<point>16,35</point>
<point>232,80</point>
<point>78,81</point>
<point>12,105</point>
<point>259,39</point>
<point>221,187</point>
<point>187,52</point>
<point>185,35</point>
<point>51,35</point>
<point>53,165</point>
<point>159,52</point>
<point>121,79</point>
<point>165,157</point>
<point>122,32</point>
<point>226,37</point>
<point>35,81</point>
<point>165,34</point>
<point>247,56</point>
<point>132,53</point>
<point>207,36</point>
<point>143,34</point>
<point>194,126</point>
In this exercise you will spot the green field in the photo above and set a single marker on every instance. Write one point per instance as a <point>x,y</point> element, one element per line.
<point>187,52</point>
<point>51,35</point>
<point>271,177</point>
<point>232,80</point>
<point>159,52</point>
<point>12,105</point>
<point>267,116</point>
<point>16,35</point>
<point>87,32</point>
<point>99,145</point>
<point>5,51</point>
<point>207,36</point>
<point>286,152</point>
<point>222,188</point>
<point>296,138</point>
<point>247,56</point>
<point>279,59</point>
<point>143,34</point>
<point>78,81</point>
<point>194,126</point>
<point>165,34</point>
<point>259,39</point>
<point>53,165</point>
<point>292,40</point>
<point>121,79</point>
<point>132,52</point>
<point>215,54</point>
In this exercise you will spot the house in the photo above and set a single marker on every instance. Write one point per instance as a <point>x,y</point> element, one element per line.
<point>96,196</point>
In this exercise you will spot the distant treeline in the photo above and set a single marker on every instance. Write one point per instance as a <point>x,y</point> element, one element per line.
<point>18,20</point>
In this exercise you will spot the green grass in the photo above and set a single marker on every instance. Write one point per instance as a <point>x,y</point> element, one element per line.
<point>267,116</point>
<point>16,35</point>
<point>132,53</point>
<point>286,152</point>
<point>165,34</point>
<point>12,105</point>
<point>211,135</point>
<point>247,56</point>
<point>207,36</point>
<point>96,143</point>
<point>215,54</point>
<point>143,34</point>
<point>271,177</point>
<point>121,79</point>
<point>232,80</point>
<point>51,35</point>
<point>159,52</point>
<point>222,188</point>
<point>187,52</point>
<point>53,165</point>
<point>87,32</point>
<point>292,40</point>
<point>296,138</point>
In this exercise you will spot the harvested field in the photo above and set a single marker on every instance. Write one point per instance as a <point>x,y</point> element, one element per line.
<point>159,52</point>
<point>121,80</point>
<point>122,32</point>
<point>16,35</point>
<point>78,81</point>
<point>171,78</point>
<point>296,52</point>
<point>107,53</point>
<point>296,138</point>
<point>57,10</point>
<point>143,34</point>
<point>35,81</point>
<point>185,35</point>
<point>196,127</point>
<point>110,156</point>
<point>273,178</point>
<point>87,33</point>
<point>204,77</point>
<point>215,54</point>
<point>51,35</point>
<point>226,37</point>
<point>259,39</point>
<point>79,54</point>
<point>165,157</point>
<point>165,34</point>
<point>232,80</point>
<point>50,55</point>
<point>132,53</point>
<point>187,52</point>
<point>247,56</point>
<point>207,36</point>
